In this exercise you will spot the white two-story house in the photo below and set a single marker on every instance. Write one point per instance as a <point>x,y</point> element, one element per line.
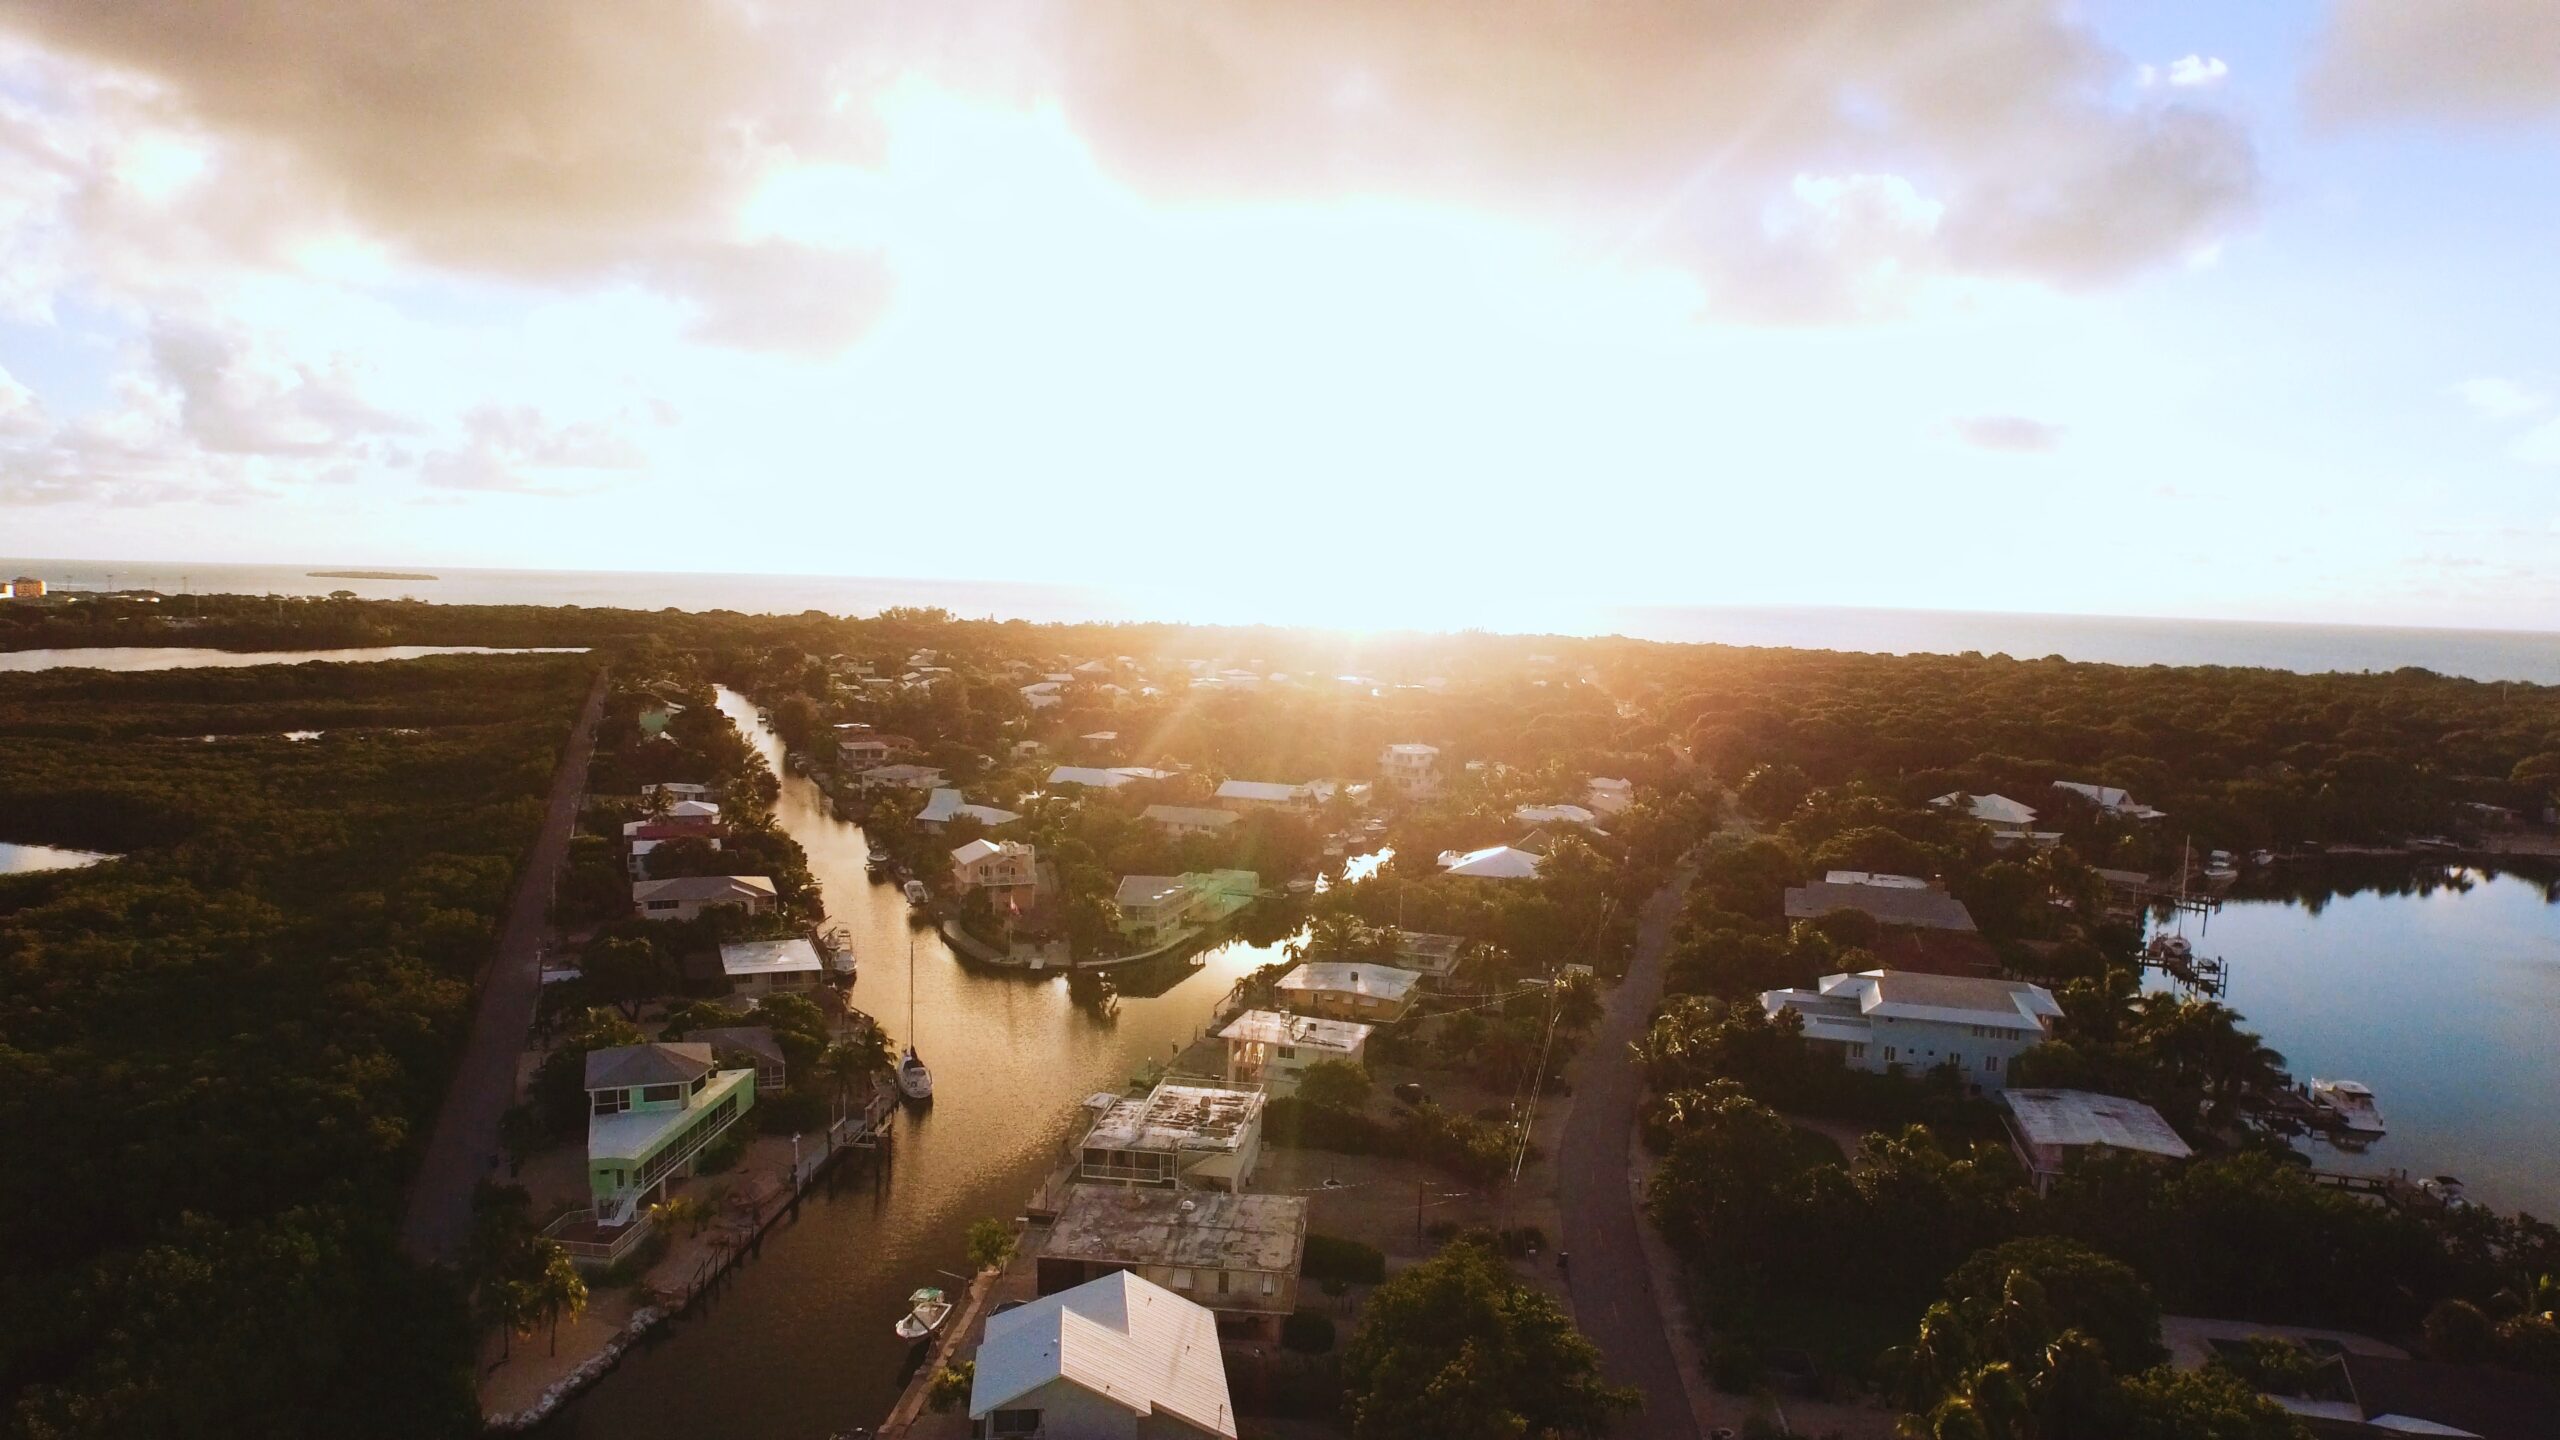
<point>1884,1020</point>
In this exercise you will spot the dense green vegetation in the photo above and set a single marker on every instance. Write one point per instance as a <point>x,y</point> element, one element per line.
<point>1459,1347</point>
<point>219,1054</point>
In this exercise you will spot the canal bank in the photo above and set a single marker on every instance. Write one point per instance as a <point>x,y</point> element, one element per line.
<point>798,1345</point>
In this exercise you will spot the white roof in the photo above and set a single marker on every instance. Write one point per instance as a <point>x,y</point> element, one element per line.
<point>1961,999</point>
<point>1494,862</point>
<point>1269,790</point>
<point>1127,1340</point>
<point>1341,1037</point>
<point>1882,880</point>
<point>1147,889</point>
<point>975,851</point>
<point>1993,809</point>
<point>769,957</point>
<point>1555,814</point>
<point>2082,1117</point>
<point>1413,749</point>
<point>1088,776</point>
<point>2110,799</point>
<point>1342,977</point>
<point>946,804</point>
<point>693,810</point>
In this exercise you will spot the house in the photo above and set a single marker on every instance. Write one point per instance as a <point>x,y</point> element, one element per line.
<point>901,777</point>
<point>765,967</point>
<point>675,790</point>
<point>2399,1398</point>
<point>1260,795</point>
<point>1189,1132</point>
<point>1494,862</point>
<point>1088,776</point>
<point>1236,1254</point>
<point>2110,799</point>
<point>747,1047</point>
<point>1346,990</point>
<point>1117,1358</point>
<point>1412,770</point>
<point>1609,796</point>
<point>647,835</point>
<point>1887,1020</point>
<point>1556,815</point>
<point>686,897</point>
<point>25,587</point>
<point>650,1110</point>
<point>867,749</point>
<point>1181,820</point>
<point>944,805</point>
<point>1008,870</point>
<point>2047,1127</point>
<point>1926,908</point>
<point>1153,907</point>
<point>693,810</point>
<point>1435,958</point>
<point>1881,878</point>
<point>1274,1047</point>
<point>1997,810</point>
<point>1043,695</point>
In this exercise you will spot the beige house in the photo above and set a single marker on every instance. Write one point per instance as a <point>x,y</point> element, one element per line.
<point>1009,870</point>
<point>1344,990</point>
<point>686,897</point>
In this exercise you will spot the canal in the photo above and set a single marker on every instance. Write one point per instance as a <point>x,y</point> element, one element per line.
<point>2436,986</point>
<point>798,1345</point>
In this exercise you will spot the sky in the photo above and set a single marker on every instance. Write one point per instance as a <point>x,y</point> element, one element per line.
<point>2184,309</point>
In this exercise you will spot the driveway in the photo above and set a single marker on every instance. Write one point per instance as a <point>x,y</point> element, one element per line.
<point>1612,1284</point>
<point>484,1083</point>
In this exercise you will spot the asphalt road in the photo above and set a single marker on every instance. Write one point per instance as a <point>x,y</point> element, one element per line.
<point>484,1083</point>
<point>1612,1285</point>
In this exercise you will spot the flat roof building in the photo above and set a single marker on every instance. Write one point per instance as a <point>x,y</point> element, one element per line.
<point>758,967</point>
<point>1349,990</point>
<point>1191,1131</point>
<point>1236,1254</point>
<point>1274,1047</point>
<point>2047,1127</point>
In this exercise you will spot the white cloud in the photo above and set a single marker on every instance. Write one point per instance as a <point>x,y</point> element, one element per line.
<point>2468,60</point>
<point>2499,398</point>
<point>2009,434</point>
<point>514,449</point>
<point>2188,72</point>
<point>2539,445</point>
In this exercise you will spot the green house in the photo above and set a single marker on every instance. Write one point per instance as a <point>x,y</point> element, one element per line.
<point>651,1110</point>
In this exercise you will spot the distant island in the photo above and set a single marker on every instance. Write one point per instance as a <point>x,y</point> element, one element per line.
<point>366,575</point>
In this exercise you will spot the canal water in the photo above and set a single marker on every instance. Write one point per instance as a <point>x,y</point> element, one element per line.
<point>797,1344</point>
<point>2438,988</point>
<point>180,657</point>
<point>27,859</point>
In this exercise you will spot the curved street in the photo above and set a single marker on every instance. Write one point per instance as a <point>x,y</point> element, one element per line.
<point>1611,1281</point>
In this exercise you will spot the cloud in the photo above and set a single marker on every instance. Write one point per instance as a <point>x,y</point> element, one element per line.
<point>2188,72</point>
<point>238,400</point>
<point>2498,398</point>
<point>2009,434</point>
<point>1674,129</point>
<point>777,295</point>
<point>513,449</point>
<point>2461,60</point>
<point>2539,445</point>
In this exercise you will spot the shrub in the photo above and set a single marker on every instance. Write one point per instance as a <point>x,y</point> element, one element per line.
<point>793,1112</point>
<point>722,1153</point>
<point>1291,1121</point>
<point>950,1388</point>
<point>1307,1332</point>
<point>1331,1257</point>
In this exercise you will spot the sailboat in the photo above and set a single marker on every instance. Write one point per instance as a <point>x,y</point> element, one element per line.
<point>914,1080</point>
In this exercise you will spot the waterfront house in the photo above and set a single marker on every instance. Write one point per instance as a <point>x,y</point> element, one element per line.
<point>1347,990</point>
<point>1236,1254</point>
<point>1996,810</point>
<point>869,749</point>
<point>900,777</point>
<point>1008,870</point>
<point>1608,795</point>
<point>1893,1020</point>
<point>1411,770</point>
<point>1119,1358</point>
<point>765,967</point>
<point>694,810</point>
<point>2048,1127</point>
<point>1179,820</point>
<point>687,896</point>
<point>946,805</point>
<point>1436,958</point>
<point>674,790</point>
<point>1273,1047</point>
<point>1556,815</point>
<point>1189,1132</point>
<point>650,1111</point>
<point>1153,907</point>
<point>2110,799</point>
<point>1494,862</point>
<point>747,1047</point>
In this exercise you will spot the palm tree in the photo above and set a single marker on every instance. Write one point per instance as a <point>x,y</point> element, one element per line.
<point>852,1062</point>
<point>557,1292</point>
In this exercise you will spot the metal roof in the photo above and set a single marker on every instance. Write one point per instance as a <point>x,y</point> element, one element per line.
<point>1927,909</point>
<point>657,1063</point>
<point>2083,1117</point>
<point>1125,1339</point>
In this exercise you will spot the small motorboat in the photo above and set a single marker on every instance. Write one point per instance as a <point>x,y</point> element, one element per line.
<point>926,1310</point>
<point>2351,1102</point>
<point>2164,948</point>
<point>2220,866</point>
<point>916,893</point>
<point>877,863</point>
<point>915,1078</point>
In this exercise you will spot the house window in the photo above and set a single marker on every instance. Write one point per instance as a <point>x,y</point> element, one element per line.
<point>1990,1062</point>
<point>698,1082</point>
<point>612,1102</point>
<point>1888,1054</point>
<point>1223,1279</point>
<point>1288,1052</point>
<point>1857,1052</point>
<point>1014,1422</point>
<point>1954,1059</point>
<point>652,1094</point>
<point>1181,1280</point>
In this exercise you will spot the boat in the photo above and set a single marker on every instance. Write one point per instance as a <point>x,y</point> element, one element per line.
<point>2168,948</point>
<point>915,1079</point>
<point>877,863</point>
<point>917,894</point>
<point>2219,866</point>
<point>926,1310</point>
<point>2352,1102</point>
<point>837,947</point>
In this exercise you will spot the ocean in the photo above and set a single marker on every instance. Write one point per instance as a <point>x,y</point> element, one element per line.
<point>2478,654</point>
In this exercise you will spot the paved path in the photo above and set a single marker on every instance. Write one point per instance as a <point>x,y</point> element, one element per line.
<point>1612,1283</point>
<point>484,1083</point>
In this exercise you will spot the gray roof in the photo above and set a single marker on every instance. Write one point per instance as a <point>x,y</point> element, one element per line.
<point>710,888</point>
<point>1920,909</point>
<point>756,1040</point>
<point>657,1063</point>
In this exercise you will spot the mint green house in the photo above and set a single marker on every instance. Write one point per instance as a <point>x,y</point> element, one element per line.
<point>651,1110</point>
